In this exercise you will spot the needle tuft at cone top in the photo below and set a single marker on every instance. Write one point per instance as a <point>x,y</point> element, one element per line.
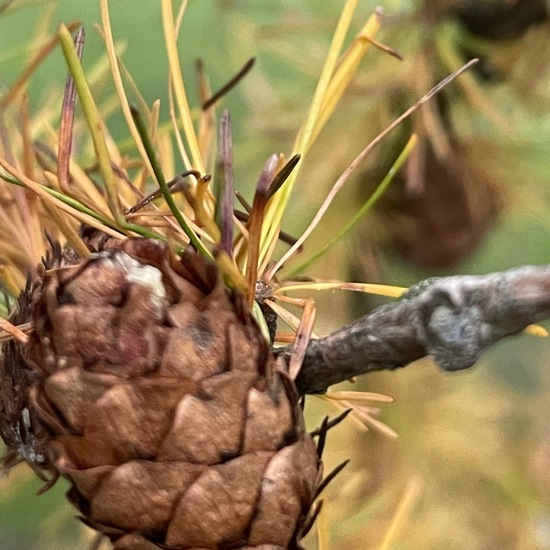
<point>165,406</point>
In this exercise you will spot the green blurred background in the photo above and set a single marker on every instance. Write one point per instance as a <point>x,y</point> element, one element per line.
<point>473,457</point>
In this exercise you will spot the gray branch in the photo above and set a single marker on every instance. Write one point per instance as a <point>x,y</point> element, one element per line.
<point>452,319</point>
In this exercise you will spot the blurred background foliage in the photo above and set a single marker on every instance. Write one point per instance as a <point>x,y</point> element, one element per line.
<point>471,466</point>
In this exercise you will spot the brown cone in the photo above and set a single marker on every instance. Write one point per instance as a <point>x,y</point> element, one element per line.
<point>448,213</point>
<point>167,410</point>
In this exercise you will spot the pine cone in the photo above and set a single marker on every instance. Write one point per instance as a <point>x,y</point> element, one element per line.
<point>167,409</point>
<point>443,220</point>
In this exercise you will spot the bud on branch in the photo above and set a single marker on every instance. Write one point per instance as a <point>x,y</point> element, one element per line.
<point>452,319</point>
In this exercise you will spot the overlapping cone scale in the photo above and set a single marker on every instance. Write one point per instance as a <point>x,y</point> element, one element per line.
<point>167,410</point>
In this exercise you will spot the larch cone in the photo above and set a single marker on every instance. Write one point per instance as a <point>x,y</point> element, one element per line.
<point>168,413</point>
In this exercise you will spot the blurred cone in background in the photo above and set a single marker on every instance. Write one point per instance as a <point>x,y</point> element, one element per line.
<point>499,19</point>
<point>442,204</point>
<point>439,207</point>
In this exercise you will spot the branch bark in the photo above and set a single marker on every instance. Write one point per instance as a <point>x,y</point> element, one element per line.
<point>452,319</point>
